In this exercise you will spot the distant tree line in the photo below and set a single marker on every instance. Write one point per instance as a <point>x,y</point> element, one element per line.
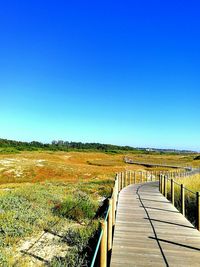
<point>12,146</point>
<point>60,145</point>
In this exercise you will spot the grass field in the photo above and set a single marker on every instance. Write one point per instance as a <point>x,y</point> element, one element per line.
<point>39,191</point>
<point>49,202</point>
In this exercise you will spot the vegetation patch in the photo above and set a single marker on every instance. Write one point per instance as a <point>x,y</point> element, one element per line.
<point>79,241</point>
<point>78,207</point>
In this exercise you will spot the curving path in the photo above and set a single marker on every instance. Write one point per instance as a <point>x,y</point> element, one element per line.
<point>149,231</point>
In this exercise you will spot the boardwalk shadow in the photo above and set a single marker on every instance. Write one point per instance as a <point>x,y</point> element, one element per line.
<point>167,202</point>
<point>174,243</point>
<point>173,211</point>
<point>167,222</point>
<point>55,234</point>
<point>35,256</point>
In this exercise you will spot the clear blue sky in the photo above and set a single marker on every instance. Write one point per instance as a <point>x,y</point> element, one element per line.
<point>120,72</point>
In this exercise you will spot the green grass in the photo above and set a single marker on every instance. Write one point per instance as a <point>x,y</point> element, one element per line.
<point>23,211</point>
<point>33,208</point>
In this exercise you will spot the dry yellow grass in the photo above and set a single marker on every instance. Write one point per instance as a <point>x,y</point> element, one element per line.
<point>30,167</point>
<point>192,183</point>
<point>59,166</point>
<point>179,159</point>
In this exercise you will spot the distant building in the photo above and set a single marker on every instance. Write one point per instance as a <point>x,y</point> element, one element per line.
<point>149,149</point>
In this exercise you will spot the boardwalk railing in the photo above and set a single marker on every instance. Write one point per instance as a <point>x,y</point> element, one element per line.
<point>181,197</point>
<point>104,243</point>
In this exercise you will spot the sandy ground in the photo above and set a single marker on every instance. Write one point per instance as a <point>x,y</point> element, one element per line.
<point>41,249</point>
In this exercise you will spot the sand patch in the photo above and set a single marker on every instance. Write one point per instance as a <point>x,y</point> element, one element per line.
<point>43,248</point>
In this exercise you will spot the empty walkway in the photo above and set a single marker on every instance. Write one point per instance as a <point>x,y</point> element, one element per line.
<point>149,231</point>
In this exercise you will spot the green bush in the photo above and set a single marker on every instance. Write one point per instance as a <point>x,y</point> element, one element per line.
<point>78,207</point>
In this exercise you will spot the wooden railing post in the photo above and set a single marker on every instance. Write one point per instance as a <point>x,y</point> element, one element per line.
<point>141,177</point>
<point>103,245</point>
<point>160,183</point>
<point>122,183</point>
<point>113,206</point>
<point>172,191</point>
<point>119,182</point>
<point>163,177</point>
<point>182,199</point>
<point>110,225</point>
<point>146,176</point>
<point>117,189</point>
<point>198,210</point>
<point>164,181</point>
<point>124,179</point>
<point>134,177</point>
<point>116,194</point>
<point>166,186</point>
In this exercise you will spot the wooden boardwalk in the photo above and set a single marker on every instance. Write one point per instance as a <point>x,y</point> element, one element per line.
<point>149,231</point>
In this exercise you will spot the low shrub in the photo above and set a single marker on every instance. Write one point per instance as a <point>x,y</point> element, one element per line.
<point>78,207</point>
<point>17,215</point>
